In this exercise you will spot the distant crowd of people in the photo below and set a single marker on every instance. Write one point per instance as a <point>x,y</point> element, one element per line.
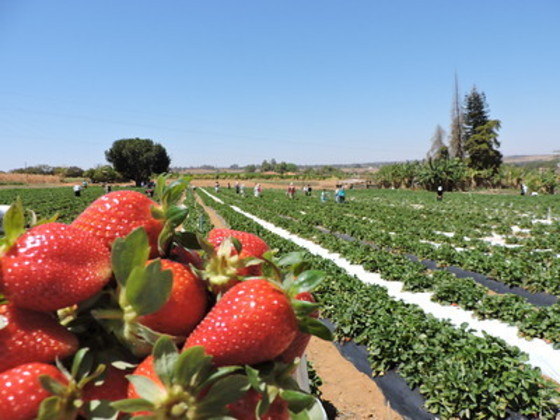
<point>307,191</point>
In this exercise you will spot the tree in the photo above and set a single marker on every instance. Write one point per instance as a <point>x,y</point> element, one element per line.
<point>457,135</point>
<point>476,112</point>
<point>138,159</point>
<point>481,134</point>
<point>482,147</point>
<point>250,168</point>
<point>436,150</point>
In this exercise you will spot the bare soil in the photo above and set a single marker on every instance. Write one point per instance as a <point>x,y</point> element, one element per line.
<point>346,392</point>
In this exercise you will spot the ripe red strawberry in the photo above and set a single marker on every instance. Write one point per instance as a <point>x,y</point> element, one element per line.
<point>118,213</point>
<point>186,305</point>
<point>21,392</point>
<point>113,388</point>
<point>244,408</point>
<point>146,368</point>
<point>301,340</point>
<point>225,266</point>
<point>251,244</point>
<point>29,336</point>
<point>253,322</point>
<point>52,266</point>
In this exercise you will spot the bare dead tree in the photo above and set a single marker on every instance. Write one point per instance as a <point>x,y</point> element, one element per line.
<point>438,146</point>
<point>457,134</point>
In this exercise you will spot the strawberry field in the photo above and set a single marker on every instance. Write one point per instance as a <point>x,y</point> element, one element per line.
<point>510,241</point>
<point>460,371</point>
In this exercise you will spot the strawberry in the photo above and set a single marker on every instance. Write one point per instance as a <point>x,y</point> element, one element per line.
<point>27,336</point>
<point>113,388</point>
<point>245,408</point>
<point>185,307</point>
<point>253,322</point>
<point>21,392</point>
<point>116,214</point>
<point>226,264</point>
<point>251,244</point>
<point>52,266</point>
<point>187,385</point>
<point>301,340</point>
<point>152,297</point>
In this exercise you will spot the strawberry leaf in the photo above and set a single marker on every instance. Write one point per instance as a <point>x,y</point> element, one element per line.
<point>148,288</point>
<point>315,327</point>
<point>52,385</point>
<point>100,410</point>
<point>146,388</point>
<point>13,223</point>
<point>191,362</point>
<point>133,405</point>
<point>297,401</point>
<point>223,392</point>
<point>81,364</point>
<point>303,308</point>
<point>187,240</point>
<point>128,253</point>
<point>306,282</point>
<point>290,259</point>
<point>49,408</point>
<point>165,356</point>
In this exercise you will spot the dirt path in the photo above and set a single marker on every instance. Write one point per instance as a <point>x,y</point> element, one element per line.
<point>351,393</point>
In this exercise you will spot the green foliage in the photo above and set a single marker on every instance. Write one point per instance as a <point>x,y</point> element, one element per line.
<point>461,375</point>
<point>482,147</point>
<point>138,159</point>
<point>481,134</point>
<point>104,173</point>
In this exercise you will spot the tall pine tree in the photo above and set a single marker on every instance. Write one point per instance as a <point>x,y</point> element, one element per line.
<point>481,133</point>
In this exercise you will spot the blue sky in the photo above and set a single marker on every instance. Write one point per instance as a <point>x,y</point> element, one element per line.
<point>313,81</point>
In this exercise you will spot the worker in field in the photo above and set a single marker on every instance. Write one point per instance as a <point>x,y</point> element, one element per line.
<point>291,190</point>
<point>77,190</point>
<point>439,193</point>
<point>324,196</point>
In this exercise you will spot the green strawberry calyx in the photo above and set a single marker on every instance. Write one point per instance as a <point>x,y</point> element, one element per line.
<point>224,264</point>
<point>171,209</point>
<point>142,289</point>
<point>191,387</point>
<point>14,224</point>
<point>296,282</point>
<point>67,401</point>
<point>272,380</point>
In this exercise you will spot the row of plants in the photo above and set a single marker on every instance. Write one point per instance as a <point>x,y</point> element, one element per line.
<point>532,321</point>
<point>460,374</point>
<point>455,174</point>
<point>451,232</point>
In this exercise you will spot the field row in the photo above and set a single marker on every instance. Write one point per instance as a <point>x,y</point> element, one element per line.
<point>460,374</point>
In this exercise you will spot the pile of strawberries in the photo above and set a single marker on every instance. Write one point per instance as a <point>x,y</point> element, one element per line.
<point>123,314</point>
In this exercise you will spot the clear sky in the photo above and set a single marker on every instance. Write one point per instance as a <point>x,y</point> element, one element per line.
<point>306,81</point>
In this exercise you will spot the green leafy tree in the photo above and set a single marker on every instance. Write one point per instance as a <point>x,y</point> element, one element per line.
<point>449,173</point>
<point>138,159</point>
<point>251,168</point>
<point>483,145</point>
<point>481,134</point>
